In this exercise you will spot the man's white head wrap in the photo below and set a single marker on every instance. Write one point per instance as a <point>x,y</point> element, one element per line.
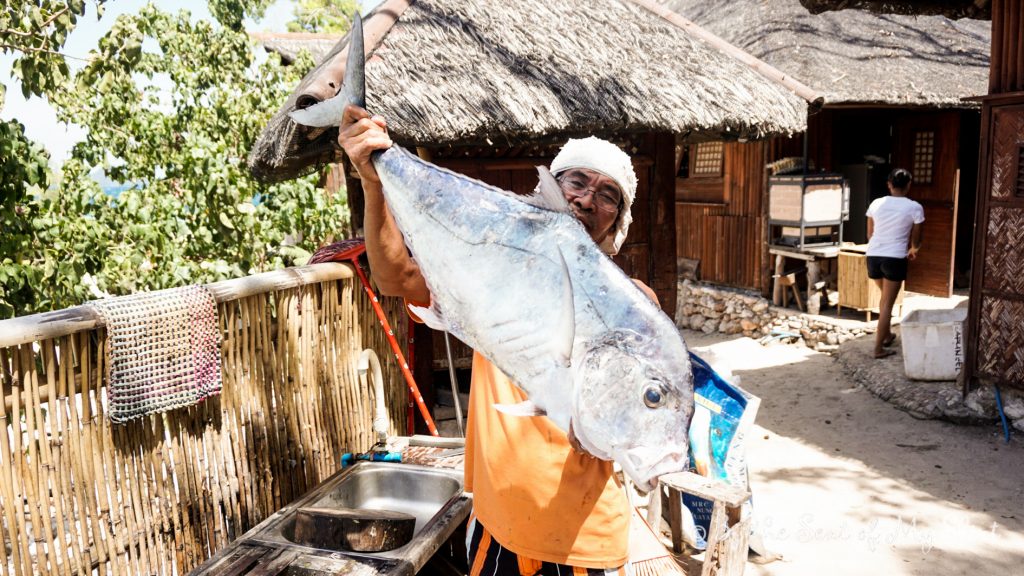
<point>604,157</point>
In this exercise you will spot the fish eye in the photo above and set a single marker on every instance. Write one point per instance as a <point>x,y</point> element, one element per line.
<point>652,397</point>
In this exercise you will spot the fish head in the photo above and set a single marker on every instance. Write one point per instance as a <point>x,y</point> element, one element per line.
<point>633,403</point>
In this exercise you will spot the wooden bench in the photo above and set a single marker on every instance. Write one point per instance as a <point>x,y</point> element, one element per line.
<point>728,532</point>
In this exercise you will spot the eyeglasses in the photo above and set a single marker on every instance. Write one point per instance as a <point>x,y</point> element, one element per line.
<point>606,198</point>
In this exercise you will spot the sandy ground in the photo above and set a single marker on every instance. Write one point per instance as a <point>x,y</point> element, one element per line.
<point>846,484</point>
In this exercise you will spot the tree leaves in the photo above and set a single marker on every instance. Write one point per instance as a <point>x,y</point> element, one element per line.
<point>170,107</point>
<point>325,16</point>
<point>35,33</point>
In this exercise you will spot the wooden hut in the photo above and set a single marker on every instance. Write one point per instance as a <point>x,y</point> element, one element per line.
<point>493,89</point>
<point>289,44</point>
<point>995,341</point>
<point>894,89</point>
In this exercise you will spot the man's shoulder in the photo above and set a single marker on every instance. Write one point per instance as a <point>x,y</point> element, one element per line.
<point>646,290</point>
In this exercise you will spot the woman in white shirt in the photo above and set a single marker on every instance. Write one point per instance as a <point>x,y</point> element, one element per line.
<point>894,237</point>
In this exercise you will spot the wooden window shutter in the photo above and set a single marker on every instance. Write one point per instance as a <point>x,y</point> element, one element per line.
<point>924,156</point>
<point>707,160</point>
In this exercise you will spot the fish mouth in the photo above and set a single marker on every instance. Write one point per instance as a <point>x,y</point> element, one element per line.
<point>583,218</point>
<point>645,475</point>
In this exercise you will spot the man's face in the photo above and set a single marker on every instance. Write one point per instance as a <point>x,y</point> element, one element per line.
<point>595,199</point>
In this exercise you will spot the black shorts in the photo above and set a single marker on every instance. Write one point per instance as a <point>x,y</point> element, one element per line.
<point>489,558</point>
<point>894,269</point>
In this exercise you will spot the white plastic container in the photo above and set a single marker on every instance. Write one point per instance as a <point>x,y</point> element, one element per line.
<point>933,343</point>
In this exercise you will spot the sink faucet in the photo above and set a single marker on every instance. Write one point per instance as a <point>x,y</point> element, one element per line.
<point>367,360</point>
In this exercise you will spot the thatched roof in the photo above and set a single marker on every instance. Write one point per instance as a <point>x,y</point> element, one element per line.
<point>289,44</point>
<point>979,9</point>
<point>854,56</point>
<point>496,72</point>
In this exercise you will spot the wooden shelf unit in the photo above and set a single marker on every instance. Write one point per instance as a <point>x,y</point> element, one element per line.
<point>856,290</point>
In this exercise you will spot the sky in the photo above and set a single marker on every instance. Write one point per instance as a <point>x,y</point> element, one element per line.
<point>39,118</point>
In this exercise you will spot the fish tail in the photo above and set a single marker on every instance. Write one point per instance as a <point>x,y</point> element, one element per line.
<point>355,65</point>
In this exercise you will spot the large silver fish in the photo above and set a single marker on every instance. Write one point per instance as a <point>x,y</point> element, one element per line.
<point>521,281</point>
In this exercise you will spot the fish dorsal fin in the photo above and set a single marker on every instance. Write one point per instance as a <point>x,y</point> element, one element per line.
<point>549,193</point>
<point>522,409</point>
<point>566,329</point>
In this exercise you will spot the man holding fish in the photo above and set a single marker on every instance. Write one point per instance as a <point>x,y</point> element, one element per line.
<point>540,501</point>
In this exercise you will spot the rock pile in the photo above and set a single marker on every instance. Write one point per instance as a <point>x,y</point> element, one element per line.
<point>731,311</point>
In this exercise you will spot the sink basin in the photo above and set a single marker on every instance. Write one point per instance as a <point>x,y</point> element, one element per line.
<point>421,492</point>
<point>434,496</point>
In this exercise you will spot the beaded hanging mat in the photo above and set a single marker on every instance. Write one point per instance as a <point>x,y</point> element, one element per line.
<point>163,351</point>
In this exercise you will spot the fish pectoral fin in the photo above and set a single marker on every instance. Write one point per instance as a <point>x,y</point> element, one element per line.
<point>430,316</point>
<point>566,331</point>
<point>550,193</point>
<point>524,408</point>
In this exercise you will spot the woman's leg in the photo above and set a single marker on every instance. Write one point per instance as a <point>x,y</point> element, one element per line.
<point>890,290</point>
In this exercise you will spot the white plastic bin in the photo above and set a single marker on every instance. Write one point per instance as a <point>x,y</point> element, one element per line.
<point>933,343</point>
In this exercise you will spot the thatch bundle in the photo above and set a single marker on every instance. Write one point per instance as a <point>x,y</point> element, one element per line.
<point>471,72</point>
<point>853,56</point>
<point>289,44</point>
<point>981,9</point>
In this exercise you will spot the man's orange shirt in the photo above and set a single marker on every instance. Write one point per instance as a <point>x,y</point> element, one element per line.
<point>534,494</point>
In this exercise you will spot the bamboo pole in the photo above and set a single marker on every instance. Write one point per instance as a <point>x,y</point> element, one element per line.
<point>244,415</point>
<point>33,494</point>
<point>263,434</point>
<point>237,409</point>
<point>150,461</point>
<point>207,471</point>
<point>313,370</point>
<point>8,473</point>
<point>278,410</point>
<point>134,435</point>
<point>112,513</point>
<point>286,349</point>
<point>231,439</point>
<point>186,491</point>
<point>171,506</point>
<point>64,455</point>
<point>229,482</point>
<point>331,345</point>
<point>76,437</point>
<point>347,336</point>
<point>119,483</point>
<point>52,481</point>
<point>49,325</point>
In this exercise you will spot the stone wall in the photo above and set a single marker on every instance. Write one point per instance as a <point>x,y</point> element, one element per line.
<point>710,308</point>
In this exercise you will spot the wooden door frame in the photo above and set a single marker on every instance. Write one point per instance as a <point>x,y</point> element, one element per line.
<point>971,379</point>
<point>947,127</point>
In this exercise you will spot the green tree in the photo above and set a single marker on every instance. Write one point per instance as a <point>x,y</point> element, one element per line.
<point>172,107</point>
<point>36,32</point>
<point>325,16</point>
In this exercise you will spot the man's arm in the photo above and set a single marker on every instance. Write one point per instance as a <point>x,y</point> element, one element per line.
<point>394,271</point>
<point>915,241</point>
<point>871,227</point>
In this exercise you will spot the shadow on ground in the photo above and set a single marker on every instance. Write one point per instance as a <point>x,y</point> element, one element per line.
<point>842,473</point>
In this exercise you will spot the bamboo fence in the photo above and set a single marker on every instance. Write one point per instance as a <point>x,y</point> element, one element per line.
<point>159,495</point>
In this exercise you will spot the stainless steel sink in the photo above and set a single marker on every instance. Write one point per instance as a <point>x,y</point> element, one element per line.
<point>434,496</point>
